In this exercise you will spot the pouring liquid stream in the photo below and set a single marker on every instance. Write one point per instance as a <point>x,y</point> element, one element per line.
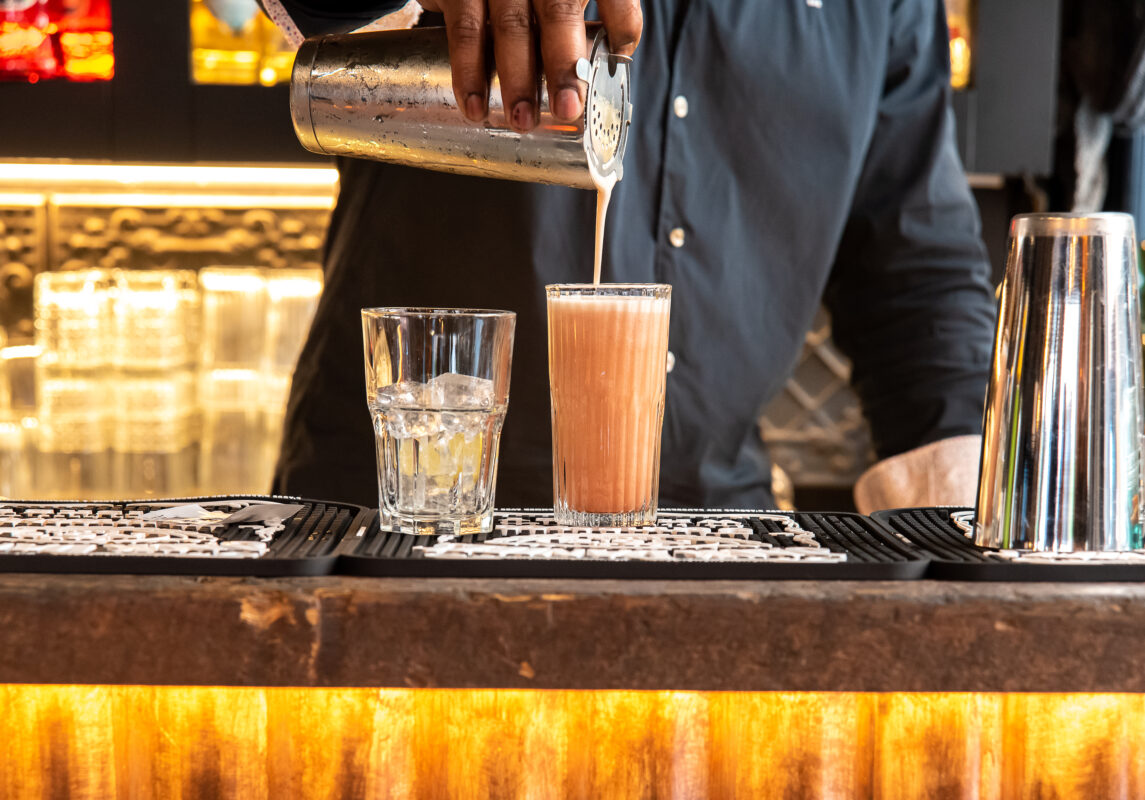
<point>604,185</point>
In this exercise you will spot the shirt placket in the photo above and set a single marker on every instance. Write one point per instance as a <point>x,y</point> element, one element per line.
<point>673,230</point>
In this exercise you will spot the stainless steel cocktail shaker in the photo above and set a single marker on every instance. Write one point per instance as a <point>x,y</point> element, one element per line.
<point>1062,434</point>
<point>388,96</point>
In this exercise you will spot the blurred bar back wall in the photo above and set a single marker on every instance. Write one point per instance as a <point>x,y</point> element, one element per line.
<point>150,319</point>
<point>160,237</point>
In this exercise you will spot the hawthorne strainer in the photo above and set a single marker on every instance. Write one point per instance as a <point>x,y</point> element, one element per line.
<point>608,107</point>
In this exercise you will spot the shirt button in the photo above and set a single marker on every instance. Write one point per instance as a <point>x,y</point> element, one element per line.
<point>676,237</point>
<point>671,365</point>
<point>680,106</point>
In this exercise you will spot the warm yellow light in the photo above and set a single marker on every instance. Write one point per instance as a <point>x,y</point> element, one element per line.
<point>21,199</point>
<point>959,62</point>
<point>134,301</point>
<point>20,351</point>
<point>224,279</point>
<point>143,741</point>
<point>221,376</point>
<point>190,176</point>
<point>18,40</point>
<point>178,200</point>
<point>88,55</point>
<point>73,291</point>
<point>238,51</point>
<point>294,287</point>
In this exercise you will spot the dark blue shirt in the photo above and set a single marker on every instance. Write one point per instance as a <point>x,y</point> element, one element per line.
<point>815,160</point>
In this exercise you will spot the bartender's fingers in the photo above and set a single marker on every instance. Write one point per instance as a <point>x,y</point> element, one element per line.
<point>562,43</point>
<point>624,22</point>
<point>465,28</point>
<point>515,53</point>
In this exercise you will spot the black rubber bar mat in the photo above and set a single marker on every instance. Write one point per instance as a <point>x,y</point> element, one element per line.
<point>118,537</point>
<point>944,535</point>
<point>689,544</point>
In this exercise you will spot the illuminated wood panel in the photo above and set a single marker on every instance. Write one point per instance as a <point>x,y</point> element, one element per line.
<point>175,742</point>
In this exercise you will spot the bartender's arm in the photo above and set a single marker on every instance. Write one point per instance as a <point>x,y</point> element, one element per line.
<point>515,25</point>
<point>910,295</point>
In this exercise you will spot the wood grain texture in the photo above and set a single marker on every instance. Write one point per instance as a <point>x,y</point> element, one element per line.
<point>143,742</point>
<point>920,636</point>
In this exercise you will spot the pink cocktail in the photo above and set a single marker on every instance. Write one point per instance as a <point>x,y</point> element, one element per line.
<point>608,350</point>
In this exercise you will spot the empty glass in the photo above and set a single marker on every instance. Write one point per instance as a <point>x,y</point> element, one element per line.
<point>437,385</point>
<point>73,314</point>
<point>155,345</point>
<point>292,298</point>
<point>73,386</point>
<point>156,316</point>
<point>231,385</point>
<point>234,317</point>
<point>153,436</point>
<point>73,436</point>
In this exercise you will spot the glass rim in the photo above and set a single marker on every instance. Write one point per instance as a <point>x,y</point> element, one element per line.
<point>1073,223</point>
<point>610,289</point>
<point>423,312</point>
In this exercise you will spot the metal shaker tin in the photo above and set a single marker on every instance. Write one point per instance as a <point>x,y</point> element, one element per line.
<point>388,96</point>
<point>1065,412</point>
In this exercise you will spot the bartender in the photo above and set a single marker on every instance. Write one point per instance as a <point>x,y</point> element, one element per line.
<point>783,153</point>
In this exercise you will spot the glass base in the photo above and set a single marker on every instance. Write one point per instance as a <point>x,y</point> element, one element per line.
<point>435,524</point>
<point>591,519</point>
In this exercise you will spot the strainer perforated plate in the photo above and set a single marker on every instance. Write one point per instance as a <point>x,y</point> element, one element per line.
<point>608,108</point>
<point>695,544</point>
<point>604,128</point>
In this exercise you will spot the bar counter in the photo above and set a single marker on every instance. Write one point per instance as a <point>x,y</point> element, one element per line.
<point>176,687</point>
<point>917,636</point>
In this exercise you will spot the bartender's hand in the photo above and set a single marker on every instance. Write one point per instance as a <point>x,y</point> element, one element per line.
<point>942,473</point>
<point>514,25</point>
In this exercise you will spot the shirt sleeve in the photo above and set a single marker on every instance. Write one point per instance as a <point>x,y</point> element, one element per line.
<point>910,293</point>
<point>314,18</point>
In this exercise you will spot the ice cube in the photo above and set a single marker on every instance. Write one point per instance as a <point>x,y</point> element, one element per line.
<point>454,422</point>
<point>403,393</point>
<point>463,391</point>
<point>405,424</point>
<point>433,396</point>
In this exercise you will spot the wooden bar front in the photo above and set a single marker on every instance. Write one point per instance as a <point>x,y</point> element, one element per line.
<point>184,688</point>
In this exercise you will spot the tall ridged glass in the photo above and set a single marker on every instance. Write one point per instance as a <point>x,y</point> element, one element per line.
<point>608,352</point>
